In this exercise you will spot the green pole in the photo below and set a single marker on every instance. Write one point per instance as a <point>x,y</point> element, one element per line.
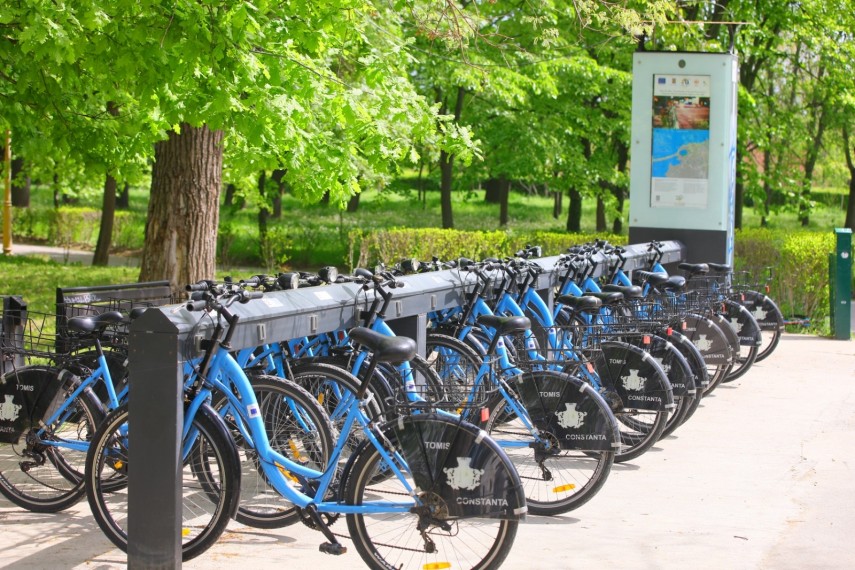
<point>841,285</point>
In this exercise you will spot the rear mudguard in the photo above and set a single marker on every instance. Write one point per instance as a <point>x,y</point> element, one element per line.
<point>568,409</point>
<point>449,458</point>
<point>635,376</point>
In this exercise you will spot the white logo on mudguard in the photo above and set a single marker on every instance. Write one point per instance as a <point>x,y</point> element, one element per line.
<point>734,324</point>
<point>463,476</point>
<point>759,313</point>
<point>702,342</point>
<point>665,367</point>
<point>633,382</point>
<point>9,410</point>
<point>571,418</point>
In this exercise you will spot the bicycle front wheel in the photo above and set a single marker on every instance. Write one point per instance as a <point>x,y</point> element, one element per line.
<point>207,504</point>
<point>296,427</point>
<point>437,532</point>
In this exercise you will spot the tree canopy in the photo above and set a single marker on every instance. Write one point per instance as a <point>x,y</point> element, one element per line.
<point>334,95</point>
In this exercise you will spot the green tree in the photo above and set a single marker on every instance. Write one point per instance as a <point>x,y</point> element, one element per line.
<point>319,90</point>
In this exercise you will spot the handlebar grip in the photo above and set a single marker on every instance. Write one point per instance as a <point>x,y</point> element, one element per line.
<point>201,286</point>
<point>247,296</point>
<point>196,305</point>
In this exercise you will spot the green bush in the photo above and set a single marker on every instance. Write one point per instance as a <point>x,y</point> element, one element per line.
<point>71,226</point>
<point>367,248</point>
<point>799,266</point>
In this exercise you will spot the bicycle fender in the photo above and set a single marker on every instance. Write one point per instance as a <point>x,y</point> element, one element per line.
<point>673,363</point>
<point>27,396</point>
<point>635,376</point>
<point>708,338</point>
<point>567,410</point>
<point>743,323</point>
<point>764,310</point>
<point>456,463</point>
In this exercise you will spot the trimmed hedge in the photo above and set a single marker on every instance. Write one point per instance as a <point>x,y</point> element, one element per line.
<point>70,226</point>
<point>798,261</point>
<point>367,248</point>
<point>799,268</point>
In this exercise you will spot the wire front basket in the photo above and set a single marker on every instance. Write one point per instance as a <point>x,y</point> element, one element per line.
<point>27,336</point>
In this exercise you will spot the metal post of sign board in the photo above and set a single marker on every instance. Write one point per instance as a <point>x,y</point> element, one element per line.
<point>683,175</point>
<point>840,279</point>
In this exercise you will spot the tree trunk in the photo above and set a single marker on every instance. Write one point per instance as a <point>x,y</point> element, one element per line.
<point>504,192</point>
<point>20,185</point>
<point>279,177</point>
<point>767,188</point>
<point>108,213</point>
<point>738,194</point>
<point>620,191</point>
<point>850,164</point>
<point>557,198</point>
<point>574,212</point>
<point>818,119</point>
<point>229,198</point>
<point>263,214</point>
<point>57,194</point>
<point>183,210</point>
<point>446,169</point>
<point>601,215</point>
<point>492,191</point>
<point>123,199</point>
<point>617,225</point>
<point>353,203</point>
<point>108,210</point>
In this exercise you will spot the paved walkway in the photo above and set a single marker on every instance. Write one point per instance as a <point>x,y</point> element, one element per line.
<point>65,255</point>
<point>760,478</point>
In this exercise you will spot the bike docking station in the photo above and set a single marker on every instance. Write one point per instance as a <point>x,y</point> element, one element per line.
<point>683,149</point>
<point>164,338</point>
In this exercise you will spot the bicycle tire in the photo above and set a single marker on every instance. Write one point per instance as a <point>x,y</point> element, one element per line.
<point>641,423</point>
<point>395,540</point>
<point>333,387</point>
<point>46,478</point>
<point>681,378</point>
<point>203,521</point>
<point>555,480</point>
<point>712,342</point>
<point>261,506</point>
<point>699,370</point>
<point>769,317</point>
<point>748,333</point>
<point>419,374</point>
<point>379,384</point>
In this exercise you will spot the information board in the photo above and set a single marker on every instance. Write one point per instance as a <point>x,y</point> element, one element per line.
<point>683,166</point>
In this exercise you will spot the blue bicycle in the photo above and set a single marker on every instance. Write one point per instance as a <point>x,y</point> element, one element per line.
<point>421,490</point>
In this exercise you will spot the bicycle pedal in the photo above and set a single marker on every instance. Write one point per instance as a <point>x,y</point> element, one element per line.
<point>334,549</point>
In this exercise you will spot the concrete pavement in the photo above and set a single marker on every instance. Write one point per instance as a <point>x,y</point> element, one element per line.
<point>760,478</point>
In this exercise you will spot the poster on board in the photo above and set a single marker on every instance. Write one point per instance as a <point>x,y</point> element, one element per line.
<point>681,138</point>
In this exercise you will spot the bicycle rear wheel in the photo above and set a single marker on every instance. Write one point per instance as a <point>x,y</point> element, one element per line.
<point>468,498</point>
<point>207,504</point>
<point>40,470</point>
<point>569,460</point>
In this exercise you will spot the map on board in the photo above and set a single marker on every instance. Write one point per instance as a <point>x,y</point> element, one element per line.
<point>680,149</point>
